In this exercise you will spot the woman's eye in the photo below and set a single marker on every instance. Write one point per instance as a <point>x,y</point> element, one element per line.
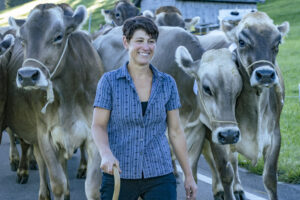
<point>207,90</point>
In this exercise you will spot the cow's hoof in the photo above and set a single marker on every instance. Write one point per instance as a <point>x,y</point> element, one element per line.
<point>81,173</point>
<point>22,179</point>
<point>33,165</point>
<point>67,197</point>
<point>239,195</point>
<point>14,165</point>
<point>42,197</point>
<point>219,196</point>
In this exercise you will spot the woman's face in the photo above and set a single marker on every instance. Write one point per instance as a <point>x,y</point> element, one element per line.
<point>140,47</point>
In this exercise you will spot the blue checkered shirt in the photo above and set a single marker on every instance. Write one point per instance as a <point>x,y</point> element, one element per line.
<point>138,142</point>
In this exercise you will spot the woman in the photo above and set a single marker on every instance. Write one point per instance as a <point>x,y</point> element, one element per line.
<point>133,107</point>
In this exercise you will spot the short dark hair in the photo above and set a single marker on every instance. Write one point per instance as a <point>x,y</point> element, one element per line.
<point>139,22</point>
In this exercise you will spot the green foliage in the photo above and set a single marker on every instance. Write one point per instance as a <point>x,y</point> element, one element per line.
<point>13,3</point>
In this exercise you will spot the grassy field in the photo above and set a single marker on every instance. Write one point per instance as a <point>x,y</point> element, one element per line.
<point>279,11</point>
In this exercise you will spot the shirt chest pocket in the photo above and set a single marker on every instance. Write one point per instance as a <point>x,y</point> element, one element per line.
<point>125,105</point>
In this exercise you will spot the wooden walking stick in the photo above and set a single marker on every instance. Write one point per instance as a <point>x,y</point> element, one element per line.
<point>117,182</point>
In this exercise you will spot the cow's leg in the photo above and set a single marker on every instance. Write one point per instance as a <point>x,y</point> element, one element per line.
<point>63,162</point>
<point>93,175</point>
<point>224,168</point>
<point>217,187</point>
<point>22,172</point>
<point>32,161</point>
<point>44,193</point>
<point>271,155</point>
<point>81,172</point>
<point>237,186</point>
<point>14,158</point>
<point>195,137</point>
<point>58,180</point>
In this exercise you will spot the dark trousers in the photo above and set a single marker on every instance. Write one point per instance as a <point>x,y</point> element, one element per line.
<point>156,188</point>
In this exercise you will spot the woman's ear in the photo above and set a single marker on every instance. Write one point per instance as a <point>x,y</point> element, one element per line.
<point>125,43</point>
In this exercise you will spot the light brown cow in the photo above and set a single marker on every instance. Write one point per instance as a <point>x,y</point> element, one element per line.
<point>171,16</point>
<point>59,74</point>
<point>259,106</point>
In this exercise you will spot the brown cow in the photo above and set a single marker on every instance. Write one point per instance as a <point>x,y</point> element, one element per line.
<point>260,103</point>
<point>57,84</point>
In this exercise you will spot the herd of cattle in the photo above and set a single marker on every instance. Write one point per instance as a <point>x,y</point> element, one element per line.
<point>230,86</point>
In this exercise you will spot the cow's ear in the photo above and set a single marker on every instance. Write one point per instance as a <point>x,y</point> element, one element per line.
<point>107,16</point>
<point>149,14</point>
<point>77,20</point>
<point>284,28</point>
<point>229,30</point>
<point>6,43</point>
<point>16,23</point>
<point>185,61</point>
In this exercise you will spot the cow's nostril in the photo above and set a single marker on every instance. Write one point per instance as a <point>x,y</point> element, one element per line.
<point>258,75</point>
<point>35,76</point>
<point>273,75</point>
<point>20,78</point>
<point>221,137</point>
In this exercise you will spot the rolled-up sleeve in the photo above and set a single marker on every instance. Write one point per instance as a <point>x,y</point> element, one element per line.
<point>103,98</point>
<point>174,100</point>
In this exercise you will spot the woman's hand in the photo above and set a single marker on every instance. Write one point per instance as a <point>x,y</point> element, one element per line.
<point>190,188</point>
<point>107,163</point>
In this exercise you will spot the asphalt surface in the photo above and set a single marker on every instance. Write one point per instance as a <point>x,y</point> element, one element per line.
<point>10,190</point>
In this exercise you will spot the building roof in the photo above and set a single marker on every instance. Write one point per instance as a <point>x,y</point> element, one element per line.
<point>230,1</point>
<point>224,1</point>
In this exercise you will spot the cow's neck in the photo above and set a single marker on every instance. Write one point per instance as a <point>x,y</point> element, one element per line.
<point>250,112</point>
<point>76,83</point>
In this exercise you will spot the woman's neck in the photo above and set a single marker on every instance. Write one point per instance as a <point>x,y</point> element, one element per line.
<point>139,71</point>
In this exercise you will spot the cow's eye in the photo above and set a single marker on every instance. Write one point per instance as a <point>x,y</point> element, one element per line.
<point>207,90</point>
<point>58,38</point>
<point>117,15</point>
<point>242,43</point>
<point>276,47</point>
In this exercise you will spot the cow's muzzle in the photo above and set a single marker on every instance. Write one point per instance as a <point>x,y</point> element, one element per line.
<point>265,76</point>
<point>229,136</point>
<point>28,77</point>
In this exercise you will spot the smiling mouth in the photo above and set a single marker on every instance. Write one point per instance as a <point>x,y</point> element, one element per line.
<point>144,54</point>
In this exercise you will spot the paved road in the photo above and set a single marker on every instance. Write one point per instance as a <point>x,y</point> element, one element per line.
<point>10,190</point>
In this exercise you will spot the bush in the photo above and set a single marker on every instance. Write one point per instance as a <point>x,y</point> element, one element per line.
<point>13,3</point>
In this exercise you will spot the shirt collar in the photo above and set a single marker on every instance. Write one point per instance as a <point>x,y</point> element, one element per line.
<point>123,72</point>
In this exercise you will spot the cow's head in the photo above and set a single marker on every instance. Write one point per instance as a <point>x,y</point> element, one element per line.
<point>257,40</point>
<point>171,16</point>
<point>122,10</point>
<point>44,35</point>
<point>219,84</point>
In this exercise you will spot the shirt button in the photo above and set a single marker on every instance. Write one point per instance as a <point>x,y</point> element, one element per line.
<point>141,139</point>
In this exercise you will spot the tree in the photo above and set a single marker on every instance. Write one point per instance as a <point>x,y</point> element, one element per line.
<point>13,3</point>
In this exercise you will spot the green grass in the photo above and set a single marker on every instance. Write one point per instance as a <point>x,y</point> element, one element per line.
<point>288,59</point>
<point>289,62</point>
